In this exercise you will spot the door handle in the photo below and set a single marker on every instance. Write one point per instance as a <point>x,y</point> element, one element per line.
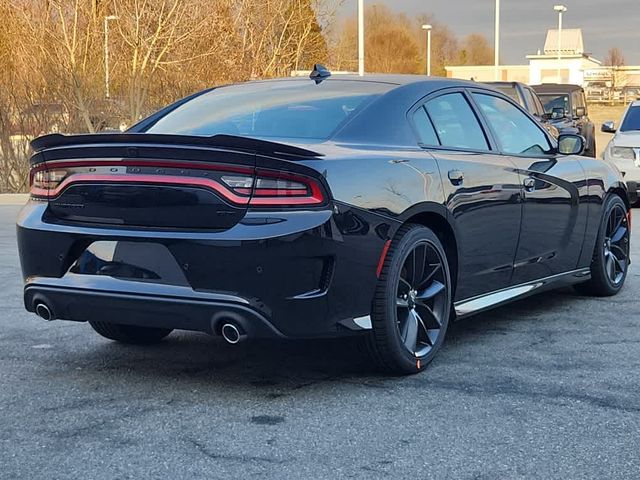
<point>456,177</point>
<point>529,184</point>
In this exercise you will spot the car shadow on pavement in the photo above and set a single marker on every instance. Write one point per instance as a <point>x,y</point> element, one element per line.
<point>277,367</point>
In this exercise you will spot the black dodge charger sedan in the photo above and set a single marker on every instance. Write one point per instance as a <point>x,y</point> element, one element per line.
<point>378,206</point>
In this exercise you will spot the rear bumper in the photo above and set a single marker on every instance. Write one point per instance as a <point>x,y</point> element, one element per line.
<point>111,300</point>
<point>301,274</point>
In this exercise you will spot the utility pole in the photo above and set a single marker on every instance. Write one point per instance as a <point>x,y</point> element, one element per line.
<point>496,48</point>
<point>428,29</point>
<point>560,9</point>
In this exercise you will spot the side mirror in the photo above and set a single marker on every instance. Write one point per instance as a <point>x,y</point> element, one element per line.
<point>581,112</point>
<point>557,112</point>
<point>608,127</point>
<point>570,144</point>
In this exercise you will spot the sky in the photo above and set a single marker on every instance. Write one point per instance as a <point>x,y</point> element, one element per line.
<point>524,23</point>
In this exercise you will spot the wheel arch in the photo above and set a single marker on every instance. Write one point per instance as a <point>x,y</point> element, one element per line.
<point>621,191</point>
<point>436,217</point>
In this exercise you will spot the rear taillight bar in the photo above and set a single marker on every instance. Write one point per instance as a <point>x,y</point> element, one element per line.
<point>237,184</point>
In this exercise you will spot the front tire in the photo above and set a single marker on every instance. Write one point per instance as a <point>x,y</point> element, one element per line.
<point>412,302</point>
<point>611,255</point>
<point>592,151</point>
<point>130,334</point>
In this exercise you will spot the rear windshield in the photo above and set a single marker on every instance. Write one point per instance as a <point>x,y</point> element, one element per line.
<point>631,120</point>
<point>551,101</point>
<point>285,109</point>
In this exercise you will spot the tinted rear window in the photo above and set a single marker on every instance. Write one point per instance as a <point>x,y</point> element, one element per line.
<point>631,120</point>
<point>285,109</point>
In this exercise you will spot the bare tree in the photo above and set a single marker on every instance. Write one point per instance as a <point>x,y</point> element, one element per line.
<point>157,35</point>
<point>475,50</point>
<point>614,57</point>
<point>64,41</point>
<point>390,41</point>
<point>52,59</point>
<point>618,78</point>
<point>282,35</point>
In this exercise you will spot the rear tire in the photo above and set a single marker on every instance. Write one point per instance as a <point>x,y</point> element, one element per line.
<point>610,262</point>
<point>412,302</point>
<point>130,334</point>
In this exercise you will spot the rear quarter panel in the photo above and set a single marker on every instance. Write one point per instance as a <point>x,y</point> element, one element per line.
<point>603,178</point>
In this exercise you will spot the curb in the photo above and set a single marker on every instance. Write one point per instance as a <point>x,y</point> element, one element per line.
<point>13,198</point>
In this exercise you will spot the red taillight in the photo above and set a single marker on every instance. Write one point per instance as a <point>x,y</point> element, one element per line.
<point>276,188</point>
<point>236,184</point>
<point>42,181</point>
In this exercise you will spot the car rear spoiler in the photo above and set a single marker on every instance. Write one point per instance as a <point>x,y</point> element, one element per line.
<point>231,142</point>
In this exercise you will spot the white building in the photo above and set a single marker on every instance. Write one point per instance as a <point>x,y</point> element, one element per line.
<point>575,65</point>
<point>547,67</point>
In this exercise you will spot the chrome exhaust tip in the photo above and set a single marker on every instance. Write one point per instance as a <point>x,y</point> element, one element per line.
<point>232,334</point>
<point>43,311</point>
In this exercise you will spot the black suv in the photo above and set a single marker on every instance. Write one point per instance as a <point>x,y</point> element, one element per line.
<point>527,99</point>
<point>566,107</point>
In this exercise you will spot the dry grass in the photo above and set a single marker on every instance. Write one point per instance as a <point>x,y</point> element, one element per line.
<point>600,114</point>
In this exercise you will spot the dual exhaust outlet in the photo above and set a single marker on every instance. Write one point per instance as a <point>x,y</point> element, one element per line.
<point>231,333</point>
<point>43,311</point>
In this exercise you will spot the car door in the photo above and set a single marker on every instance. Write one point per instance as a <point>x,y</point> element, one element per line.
<point>481,191</point>
<point>553,213</point>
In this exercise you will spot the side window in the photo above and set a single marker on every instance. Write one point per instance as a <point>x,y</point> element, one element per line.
<point>517,133</point>
<point>455,122</point>
<point>424,127</point>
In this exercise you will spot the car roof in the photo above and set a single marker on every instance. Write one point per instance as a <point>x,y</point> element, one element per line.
<point>390,78</point>
<point>556,88</point>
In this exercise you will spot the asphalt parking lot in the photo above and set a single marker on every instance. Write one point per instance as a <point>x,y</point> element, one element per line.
<point>545,388</point>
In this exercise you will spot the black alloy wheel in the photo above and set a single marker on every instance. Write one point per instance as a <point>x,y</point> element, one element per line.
<point>412,303</point>
<point>616,245</point>
<point>420,299</point>
<point>611,256</point>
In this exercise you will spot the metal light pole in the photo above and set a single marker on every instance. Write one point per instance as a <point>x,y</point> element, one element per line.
<point>361,37</point>
<point>560,9</point>
<point>428,29</point>
<point>496,48</point>
<point>106,53</point>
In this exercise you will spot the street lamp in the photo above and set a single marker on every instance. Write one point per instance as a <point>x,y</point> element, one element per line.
<point>106,53</point>
<point>428,29</point>
<point>560,9</point>
<point>361,37</point>
<point>496,48</point>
